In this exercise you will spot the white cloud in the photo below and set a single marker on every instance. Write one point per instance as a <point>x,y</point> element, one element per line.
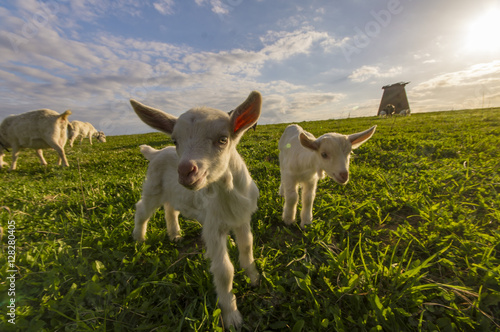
<point>218,7</point>
<point>281,45</point>
<point>296,65</point>
<point>164,7</point>
<point>483,73</point>
<point>473,87</point>
<point>97,78</point>
<point>367,72</point>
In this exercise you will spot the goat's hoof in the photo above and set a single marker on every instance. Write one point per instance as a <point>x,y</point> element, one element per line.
<point>176,238</point>
<point>304,223</point>
<point>255,281</point>
<point>288,222</point>
<point>138,237</point>
<point>233,319</point>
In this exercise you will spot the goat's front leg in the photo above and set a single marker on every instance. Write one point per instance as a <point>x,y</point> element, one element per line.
<point>223,271</point>
<point>172,220</point>
<point>308,195</point>
<point>290,191</point>
<point>244,241</point>
<point>143,211</point>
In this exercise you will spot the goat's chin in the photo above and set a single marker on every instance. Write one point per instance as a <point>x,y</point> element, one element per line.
<point>198,184</point>
<point>338,179</point>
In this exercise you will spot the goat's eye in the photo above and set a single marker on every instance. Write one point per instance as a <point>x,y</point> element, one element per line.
<point>223,140</point>
<point>175,142</point>
<point>324,155</point>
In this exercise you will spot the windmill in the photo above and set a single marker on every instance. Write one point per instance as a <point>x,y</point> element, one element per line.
<point>394,98</point>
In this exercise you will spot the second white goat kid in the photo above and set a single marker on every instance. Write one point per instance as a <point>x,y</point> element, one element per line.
<point>203,177</point>
<point>304,160</point>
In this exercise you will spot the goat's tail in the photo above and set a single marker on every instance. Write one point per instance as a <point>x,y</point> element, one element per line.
<point>65,115</point>
<point>148,152</point>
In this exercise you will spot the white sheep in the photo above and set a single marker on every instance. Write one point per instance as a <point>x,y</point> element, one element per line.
<point>304,160</point>
<point>41,129</point>
<point>84,129</point>
<point>203,177</point>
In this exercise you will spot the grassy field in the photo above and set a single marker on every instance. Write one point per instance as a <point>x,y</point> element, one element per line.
<point>411,243</point>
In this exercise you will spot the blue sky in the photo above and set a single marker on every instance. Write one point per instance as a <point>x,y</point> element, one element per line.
<point>310,59</point>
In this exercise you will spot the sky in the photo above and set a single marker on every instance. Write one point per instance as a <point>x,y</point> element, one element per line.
<point>311,60</point>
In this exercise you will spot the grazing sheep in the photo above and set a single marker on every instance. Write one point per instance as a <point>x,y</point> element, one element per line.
<point>304,160</point>
<point>84,129</point>
<point>203,177</point>
<point>41,129</point>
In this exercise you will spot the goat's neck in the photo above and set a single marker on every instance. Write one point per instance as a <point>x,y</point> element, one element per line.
<point>306,163</point>
<point>237,172</point>
<point>235,193</point>
<point>236,179</point>
<point>317,168</point>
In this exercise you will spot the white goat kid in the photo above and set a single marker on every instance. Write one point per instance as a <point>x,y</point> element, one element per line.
<point>304,160</point>
<point>204,178</point>
<point>84,129</point>
<point>41,129</point>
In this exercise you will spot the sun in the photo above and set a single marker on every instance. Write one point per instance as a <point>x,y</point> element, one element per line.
<point>483,34</point>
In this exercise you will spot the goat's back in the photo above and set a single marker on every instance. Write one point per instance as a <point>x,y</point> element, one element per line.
<point>296,160</point>
<point>290,146</point>
<point>290,137</point>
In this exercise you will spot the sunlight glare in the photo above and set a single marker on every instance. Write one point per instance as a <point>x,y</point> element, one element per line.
<point>484,33</point>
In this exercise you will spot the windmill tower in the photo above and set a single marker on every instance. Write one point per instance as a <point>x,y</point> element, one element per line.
<point>394,94</point>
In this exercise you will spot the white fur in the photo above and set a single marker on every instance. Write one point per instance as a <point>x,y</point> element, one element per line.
<point>83,129</point>
<point>216,188</point>
<point>304,160</point>
<point>41,129</point>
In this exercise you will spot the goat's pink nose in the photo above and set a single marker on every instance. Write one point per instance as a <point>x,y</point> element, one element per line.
<point>187,171</point>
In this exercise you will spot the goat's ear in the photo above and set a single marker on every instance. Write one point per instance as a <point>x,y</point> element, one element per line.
<point>308,142</point>
<point>359,138</point>
<point>153,117</point>
<point>247,114</point>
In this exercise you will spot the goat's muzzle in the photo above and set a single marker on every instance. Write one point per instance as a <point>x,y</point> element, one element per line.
<point>190,175</point>
<point>341,177</point>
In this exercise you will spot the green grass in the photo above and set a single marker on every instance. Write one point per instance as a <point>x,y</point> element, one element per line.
<point>411,243</point>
